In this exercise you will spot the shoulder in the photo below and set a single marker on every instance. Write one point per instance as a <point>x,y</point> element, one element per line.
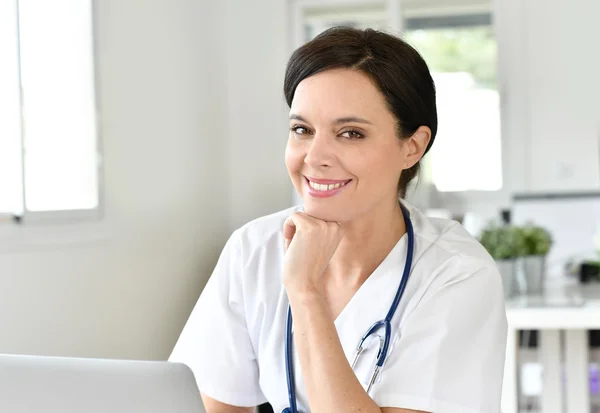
<point>452,271</point>
<point>446,252</point>
<point>249,267</point>
<point>447,238</point>
<point>262,232</point>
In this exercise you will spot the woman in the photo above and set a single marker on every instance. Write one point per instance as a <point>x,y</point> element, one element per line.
<point>362,115</point>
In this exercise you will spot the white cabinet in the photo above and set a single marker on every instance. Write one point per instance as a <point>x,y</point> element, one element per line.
<point>551,82</point>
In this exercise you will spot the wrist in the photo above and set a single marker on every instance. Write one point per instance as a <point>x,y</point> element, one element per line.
<point>302,291</point>
<point>307,303</point>
<point>301,284</point>
<point>309,307</point>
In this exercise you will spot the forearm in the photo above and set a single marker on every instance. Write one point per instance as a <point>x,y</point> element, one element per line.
<point>330,382</point>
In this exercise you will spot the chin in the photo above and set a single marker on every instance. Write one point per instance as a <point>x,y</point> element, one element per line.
<point>328,213</point>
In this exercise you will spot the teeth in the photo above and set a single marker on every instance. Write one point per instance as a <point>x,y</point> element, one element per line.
<point>323,187</point>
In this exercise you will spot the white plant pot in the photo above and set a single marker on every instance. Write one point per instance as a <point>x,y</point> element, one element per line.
<point>508,273</point>
<point>534,274</point>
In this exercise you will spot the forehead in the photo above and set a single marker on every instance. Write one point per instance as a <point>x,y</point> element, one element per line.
<point>339,92</point>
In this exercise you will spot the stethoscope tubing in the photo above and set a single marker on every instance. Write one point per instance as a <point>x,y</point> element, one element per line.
<point>385,323</point>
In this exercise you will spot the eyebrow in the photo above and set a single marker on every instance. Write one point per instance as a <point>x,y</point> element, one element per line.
<point>345,119</point>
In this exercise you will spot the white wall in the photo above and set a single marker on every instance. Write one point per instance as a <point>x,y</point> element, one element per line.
<point>258,125</point>
<point>180,146</point>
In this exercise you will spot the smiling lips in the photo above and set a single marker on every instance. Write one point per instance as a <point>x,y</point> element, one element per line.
<point>323,188</point>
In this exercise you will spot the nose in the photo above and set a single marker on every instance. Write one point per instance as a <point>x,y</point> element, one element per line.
<point>320,152</point>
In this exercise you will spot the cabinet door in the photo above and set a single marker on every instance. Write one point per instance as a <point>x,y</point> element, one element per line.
<point>563,90</point>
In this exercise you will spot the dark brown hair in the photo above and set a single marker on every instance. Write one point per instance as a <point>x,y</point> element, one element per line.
<point>398,70</point>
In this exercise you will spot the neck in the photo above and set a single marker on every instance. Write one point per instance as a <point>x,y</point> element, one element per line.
<point>367,241</point>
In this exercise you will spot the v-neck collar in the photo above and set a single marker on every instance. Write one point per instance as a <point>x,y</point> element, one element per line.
<point>372,300</point>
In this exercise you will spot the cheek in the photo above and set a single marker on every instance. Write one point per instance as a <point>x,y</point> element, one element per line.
<point>293,158</point>
<point>382,167</point>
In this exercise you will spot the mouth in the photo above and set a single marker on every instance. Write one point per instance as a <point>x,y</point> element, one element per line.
<point>324,188</point>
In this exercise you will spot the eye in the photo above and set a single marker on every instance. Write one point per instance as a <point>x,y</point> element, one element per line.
<point>299,130</point>
<point>352,134</point>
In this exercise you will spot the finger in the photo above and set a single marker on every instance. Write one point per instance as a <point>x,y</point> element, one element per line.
<point>289,228</point>
<point>299,221</point>
<point>335,231</point>
<point>294,224</point>
<point>319,222</point>
<point>339,229</point>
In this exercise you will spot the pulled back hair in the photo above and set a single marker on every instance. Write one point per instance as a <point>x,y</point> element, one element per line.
<point>397,69</point>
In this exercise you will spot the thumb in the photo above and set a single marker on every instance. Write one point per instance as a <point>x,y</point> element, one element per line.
<point>289,230</point>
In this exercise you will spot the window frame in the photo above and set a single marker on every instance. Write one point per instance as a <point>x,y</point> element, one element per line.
<point>502,195</point>
<point>75,215</point>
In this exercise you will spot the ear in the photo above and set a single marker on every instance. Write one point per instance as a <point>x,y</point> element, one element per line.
<point>416,145</point>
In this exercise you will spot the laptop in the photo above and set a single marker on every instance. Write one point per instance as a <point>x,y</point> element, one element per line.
<point>35,384</point>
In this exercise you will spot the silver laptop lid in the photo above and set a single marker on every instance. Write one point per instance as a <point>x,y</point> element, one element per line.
<point>32,384</point>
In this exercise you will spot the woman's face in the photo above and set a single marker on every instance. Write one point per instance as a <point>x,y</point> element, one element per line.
<point>343,153</point>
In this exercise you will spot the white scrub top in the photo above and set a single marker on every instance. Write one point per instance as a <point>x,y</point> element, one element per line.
<point>448,334</point>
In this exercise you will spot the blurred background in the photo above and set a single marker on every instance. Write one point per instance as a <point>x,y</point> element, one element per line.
<point>136,135</point>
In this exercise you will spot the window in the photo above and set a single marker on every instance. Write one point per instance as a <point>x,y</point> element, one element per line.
<point>48,136</point>
<point>319,19</point>
<point>461,54</point>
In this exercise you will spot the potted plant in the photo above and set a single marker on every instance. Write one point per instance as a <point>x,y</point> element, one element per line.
<point>504,244</point>
<point>537,242</point>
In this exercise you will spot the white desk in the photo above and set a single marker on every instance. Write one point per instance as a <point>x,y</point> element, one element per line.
<point>566,305</point>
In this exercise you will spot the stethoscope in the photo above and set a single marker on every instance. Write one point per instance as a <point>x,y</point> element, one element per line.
<point>384,342</point>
